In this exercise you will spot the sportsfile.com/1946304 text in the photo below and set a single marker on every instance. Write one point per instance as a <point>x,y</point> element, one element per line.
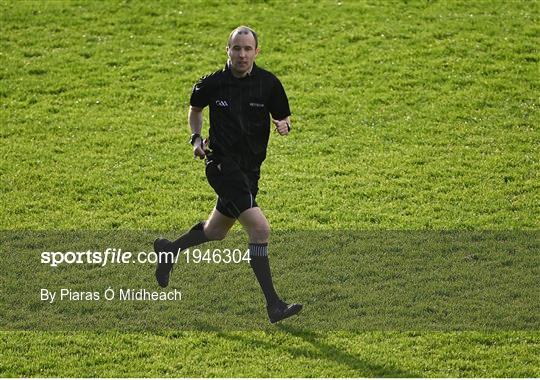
<point>119,256</point>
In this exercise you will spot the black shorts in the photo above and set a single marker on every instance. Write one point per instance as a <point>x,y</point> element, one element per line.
<point>236,188</point>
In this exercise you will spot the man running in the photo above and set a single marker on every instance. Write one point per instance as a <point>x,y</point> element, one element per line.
<point>241,98</point>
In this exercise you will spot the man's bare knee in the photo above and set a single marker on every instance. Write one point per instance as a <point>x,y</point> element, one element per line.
<point>259,233</point>
<point>256,225</point>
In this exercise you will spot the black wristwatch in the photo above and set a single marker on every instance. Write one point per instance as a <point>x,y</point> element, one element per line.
<point>194,137</point>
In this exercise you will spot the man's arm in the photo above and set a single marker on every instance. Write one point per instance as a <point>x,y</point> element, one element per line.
<point>283,126</point>
<point>195,119</point>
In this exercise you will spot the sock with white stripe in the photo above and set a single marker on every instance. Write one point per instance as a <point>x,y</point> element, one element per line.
<point>258,253</point>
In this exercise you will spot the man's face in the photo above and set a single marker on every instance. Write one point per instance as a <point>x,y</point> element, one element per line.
<point>242,53</point>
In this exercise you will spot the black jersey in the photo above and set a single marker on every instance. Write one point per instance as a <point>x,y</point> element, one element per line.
<point>240,111</point>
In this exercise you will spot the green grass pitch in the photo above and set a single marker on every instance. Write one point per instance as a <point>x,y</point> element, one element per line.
<point>408,116</point>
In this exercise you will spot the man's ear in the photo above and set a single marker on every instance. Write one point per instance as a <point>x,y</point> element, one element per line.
<point>257,51</point>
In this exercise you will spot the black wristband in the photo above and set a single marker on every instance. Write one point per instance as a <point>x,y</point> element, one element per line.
<point>194,137</point>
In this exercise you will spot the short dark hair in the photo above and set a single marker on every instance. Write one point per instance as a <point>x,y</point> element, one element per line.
<point>243,30</point>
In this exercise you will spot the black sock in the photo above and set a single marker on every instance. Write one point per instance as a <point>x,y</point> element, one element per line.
<point>258,253</point>
<point>193,237</point>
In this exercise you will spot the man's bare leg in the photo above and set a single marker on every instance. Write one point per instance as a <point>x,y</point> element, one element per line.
<point>218,225</point>
<point>256,225</point>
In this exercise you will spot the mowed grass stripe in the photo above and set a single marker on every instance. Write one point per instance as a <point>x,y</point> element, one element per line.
<point>348,280</point>
<point>288,352</point>
<point>413,115</point>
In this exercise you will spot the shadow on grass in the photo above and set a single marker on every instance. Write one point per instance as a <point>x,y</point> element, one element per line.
<point>319,350</point>
<point>330,352</point>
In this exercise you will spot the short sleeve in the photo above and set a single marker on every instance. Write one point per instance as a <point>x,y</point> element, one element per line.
<point>200,93</point>
<point>279,104</point>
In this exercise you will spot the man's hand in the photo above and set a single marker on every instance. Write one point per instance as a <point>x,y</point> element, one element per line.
<point>282,126</point>
<point>198,148</point>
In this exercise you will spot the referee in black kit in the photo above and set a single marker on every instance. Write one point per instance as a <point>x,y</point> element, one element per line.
<point>241,98</point>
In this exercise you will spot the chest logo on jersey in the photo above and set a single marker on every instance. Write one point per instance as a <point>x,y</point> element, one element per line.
<point>222,103</point>
<point>257,105</point>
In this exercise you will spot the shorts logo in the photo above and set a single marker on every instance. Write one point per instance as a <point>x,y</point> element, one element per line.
<point>222,103</point>
<point>258,105</point>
